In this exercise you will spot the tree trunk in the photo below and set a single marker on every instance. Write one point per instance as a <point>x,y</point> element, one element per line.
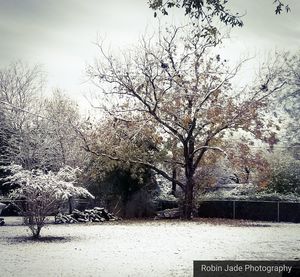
<point>71,204</point>
<point>189,175</point>
<point>174,176</point>
<point>247,170</point>
<point>188,199</point>
<point>36,234</point>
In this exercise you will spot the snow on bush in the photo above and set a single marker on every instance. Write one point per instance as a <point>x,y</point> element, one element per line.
<point>163,191</point>
<point>42,193</point>
<point>248,192</point>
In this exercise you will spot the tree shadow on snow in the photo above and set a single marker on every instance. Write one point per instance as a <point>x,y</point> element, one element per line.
<point>45,239</point>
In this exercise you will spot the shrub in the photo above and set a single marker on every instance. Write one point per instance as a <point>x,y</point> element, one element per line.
<point>40,194</point>
<point>285,177</point>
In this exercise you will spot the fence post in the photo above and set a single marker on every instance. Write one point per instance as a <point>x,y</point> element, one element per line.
<point>278,212</point>
<point>233,207</point>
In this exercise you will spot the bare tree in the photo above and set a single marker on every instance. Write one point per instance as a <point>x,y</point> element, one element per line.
<point>20,87</point>
<point>20,90</point>
<point>290,100</point>
<point>60,144</point>
<point>36,132</point>
<point>175,90</point>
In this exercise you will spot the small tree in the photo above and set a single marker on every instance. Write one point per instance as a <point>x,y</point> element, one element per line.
<point>41,194</point>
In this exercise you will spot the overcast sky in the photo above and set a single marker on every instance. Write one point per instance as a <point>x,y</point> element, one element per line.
<point>59,34</point>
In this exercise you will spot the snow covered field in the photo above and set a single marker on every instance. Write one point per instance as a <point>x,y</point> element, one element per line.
<point>141,248</point>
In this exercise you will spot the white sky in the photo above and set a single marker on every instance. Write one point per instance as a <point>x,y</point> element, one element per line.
<point>59,34</point>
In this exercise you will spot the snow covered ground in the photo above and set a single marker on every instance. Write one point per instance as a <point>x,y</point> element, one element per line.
<point>141,248</point>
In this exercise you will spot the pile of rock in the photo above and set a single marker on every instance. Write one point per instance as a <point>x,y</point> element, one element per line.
<point>168,214</point>
<point>89,215</point>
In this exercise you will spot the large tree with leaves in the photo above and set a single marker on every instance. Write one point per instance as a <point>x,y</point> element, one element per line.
<point>170,103</point>
<point>208,9</point>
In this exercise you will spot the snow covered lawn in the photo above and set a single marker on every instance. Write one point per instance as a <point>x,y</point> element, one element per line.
<point>141,248</point>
